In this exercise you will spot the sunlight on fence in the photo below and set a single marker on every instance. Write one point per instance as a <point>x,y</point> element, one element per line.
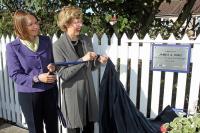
<point>151,91</point>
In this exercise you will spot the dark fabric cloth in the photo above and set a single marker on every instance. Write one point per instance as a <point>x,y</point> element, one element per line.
<point>38,108</point>
<point>89,128</point>
<point>165,116</point>
<point>118,114</point>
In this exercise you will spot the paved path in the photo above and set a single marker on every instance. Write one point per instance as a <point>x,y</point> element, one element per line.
<point>7,128</point>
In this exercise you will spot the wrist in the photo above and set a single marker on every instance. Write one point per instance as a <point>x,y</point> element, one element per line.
<point>36,79</point>
<point>84,59</point>
<point>98,57</point>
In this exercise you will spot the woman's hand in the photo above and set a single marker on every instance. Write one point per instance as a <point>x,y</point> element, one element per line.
<point>47,78</point>
<point>103,59</point>
<point>89,56</point>
<point>51,67</point>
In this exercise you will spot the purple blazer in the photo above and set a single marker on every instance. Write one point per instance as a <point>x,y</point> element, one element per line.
<point>23,64</point>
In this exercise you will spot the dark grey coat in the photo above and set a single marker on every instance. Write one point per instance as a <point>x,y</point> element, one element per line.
<point>77,86</point>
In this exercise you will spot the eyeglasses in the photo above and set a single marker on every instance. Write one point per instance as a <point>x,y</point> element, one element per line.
<point>31,24</point>
<point>77,22</point>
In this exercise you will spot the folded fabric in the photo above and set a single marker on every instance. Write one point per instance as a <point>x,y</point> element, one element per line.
<point>117,112</point>
<point>167,115</point>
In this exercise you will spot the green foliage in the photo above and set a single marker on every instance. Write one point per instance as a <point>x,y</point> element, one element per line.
<point>97,25</point>
<point>43,9</point>
<point>189,124</point>
<point>133,16</point>
<point>5,24</point>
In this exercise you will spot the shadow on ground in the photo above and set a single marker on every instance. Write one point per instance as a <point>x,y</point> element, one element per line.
<point>6,127</point>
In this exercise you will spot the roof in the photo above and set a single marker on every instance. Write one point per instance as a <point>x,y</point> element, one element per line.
<point>175,7</point>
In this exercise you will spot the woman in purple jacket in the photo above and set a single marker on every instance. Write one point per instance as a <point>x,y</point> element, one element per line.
<point>28,60</point>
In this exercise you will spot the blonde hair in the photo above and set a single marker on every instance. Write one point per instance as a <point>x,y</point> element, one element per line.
<point>19,22</point>
<point>66,15</point>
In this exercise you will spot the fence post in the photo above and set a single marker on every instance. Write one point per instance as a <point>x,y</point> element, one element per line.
<point>144,82</point>
<point>134,57</point>
<point>195,80</point>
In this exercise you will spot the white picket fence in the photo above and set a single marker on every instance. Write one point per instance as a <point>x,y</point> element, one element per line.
<point>132,60</point>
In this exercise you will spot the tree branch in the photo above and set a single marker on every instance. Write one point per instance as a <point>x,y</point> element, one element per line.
<point>183,16</point>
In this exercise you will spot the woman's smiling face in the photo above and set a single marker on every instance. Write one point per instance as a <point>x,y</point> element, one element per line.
<point>32,26</point>
<point>75,27</point>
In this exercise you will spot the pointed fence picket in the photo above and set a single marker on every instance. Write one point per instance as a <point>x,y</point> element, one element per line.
<point>181,86</point>
<point>123,56</point>
<point>195,80</point>
<point>6,80</point>
<point>168,86</point>
<point>134,59</point>
<point>2,103</point>
<point>113,49</point>
<point>151,91</point>
<point>145,57</point>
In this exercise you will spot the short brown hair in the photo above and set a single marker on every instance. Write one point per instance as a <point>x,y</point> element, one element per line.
<point>19,22</point>
<point>67,14</point>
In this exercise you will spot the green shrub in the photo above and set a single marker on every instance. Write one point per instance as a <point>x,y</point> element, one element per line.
<point>190,124</point>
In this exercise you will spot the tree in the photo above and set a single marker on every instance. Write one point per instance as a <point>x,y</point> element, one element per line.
<point>133,16</point>
<point>185,14</point>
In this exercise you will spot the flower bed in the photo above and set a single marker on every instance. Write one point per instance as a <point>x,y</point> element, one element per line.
<point>190,124</point>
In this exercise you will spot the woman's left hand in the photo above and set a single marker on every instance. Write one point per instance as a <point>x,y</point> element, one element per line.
<point>103,59</point>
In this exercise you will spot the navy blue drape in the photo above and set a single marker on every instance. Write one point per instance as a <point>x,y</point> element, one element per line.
<point>118,114</point>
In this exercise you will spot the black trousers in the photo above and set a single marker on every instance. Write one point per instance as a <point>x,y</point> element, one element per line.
<point>89,128</point>
<point>40,107</point>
